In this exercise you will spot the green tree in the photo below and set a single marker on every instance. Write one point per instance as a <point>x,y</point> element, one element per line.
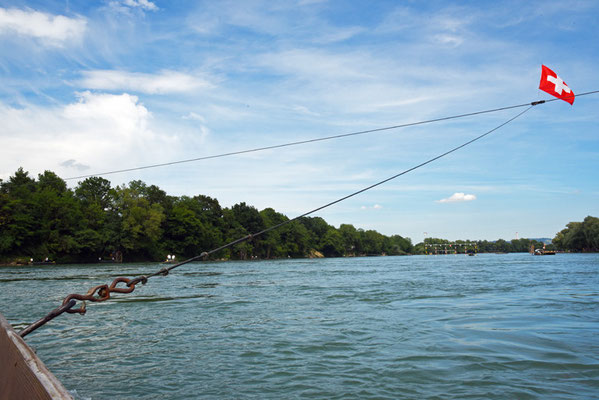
<point>331,244</point>
<point>140,230</point>
<point>372,242</point>
<point>502,246</point>
<point>97,235</point>
<point>233,230</point>
<point>45,218</point>
<point>271,242</point>
<point>573,237</point>
<point>590,231</point>
<point>317,228</point>
<point>185,233</point>
<point>18,225</point>
<point>209,212</point>
<point>579,236</point>
<point>248,217</point>
<point>58,217</point>
<point>295,240</point>
<point>96,191</point>
<point>350,239</point>
<point>398,245</point>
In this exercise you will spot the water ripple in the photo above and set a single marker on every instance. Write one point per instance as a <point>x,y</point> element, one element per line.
<point>447,327</point>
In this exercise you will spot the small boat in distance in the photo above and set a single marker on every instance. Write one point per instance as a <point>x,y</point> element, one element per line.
<point>541,252</point>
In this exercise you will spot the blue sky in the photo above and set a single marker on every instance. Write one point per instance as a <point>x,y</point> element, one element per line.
<point>96,86</point>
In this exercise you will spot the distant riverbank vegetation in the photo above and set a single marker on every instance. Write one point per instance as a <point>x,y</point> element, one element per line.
<point>43,218</point>
<point>443,246</point>
<point>579,236</point>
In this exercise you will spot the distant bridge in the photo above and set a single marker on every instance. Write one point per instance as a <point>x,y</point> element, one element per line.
<point>450,248</point>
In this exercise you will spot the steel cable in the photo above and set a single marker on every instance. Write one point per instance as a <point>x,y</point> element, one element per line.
<point>343,135</point>
<point>102,292</point>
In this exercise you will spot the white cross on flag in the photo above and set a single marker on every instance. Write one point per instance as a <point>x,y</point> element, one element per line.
<point>554,85</point>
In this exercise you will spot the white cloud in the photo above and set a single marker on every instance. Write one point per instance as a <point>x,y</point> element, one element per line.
<point>145,4</point>
<point>99,131</point>
<point>74,164</point>
<point>194,116</point>
<point>200,126</point>
<point>161,83</point>
<point>339,34</point>
<point>280,20</point>
<point>374,207</point>
<point>449,40</point>
<point>310,64</point>
<point>126,5</point>
<point>457,198</point>
<point>51,29</point>
<point>367,81</point>
<point>304,110</point>
<point>120,113</point>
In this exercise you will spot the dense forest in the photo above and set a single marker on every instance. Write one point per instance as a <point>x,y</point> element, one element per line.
<point>579,236</point>
<point>42,218</point>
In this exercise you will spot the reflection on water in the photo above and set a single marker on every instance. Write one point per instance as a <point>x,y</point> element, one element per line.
<point>445,327</point>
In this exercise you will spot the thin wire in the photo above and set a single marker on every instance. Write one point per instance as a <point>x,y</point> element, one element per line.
<point>278,146</point>
<point>164,271</point>
<point>204,255</point>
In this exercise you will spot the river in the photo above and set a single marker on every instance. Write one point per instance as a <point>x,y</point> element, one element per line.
<point>493,326</point>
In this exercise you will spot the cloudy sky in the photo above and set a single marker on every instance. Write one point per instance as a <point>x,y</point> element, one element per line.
<point>95,86</point>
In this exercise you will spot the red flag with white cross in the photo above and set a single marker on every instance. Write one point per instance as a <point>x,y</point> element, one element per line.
<point>554,85</point>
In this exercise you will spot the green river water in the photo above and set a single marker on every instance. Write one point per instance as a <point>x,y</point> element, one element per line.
<point>493,326</point>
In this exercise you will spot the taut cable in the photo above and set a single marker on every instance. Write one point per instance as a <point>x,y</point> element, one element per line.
<point>102,292</point>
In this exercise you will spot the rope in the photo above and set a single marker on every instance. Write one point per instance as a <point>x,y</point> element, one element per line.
<point>344,135</point>
<point>102,292</point>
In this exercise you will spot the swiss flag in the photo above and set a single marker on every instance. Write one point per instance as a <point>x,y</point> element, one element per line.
<point>554,85</point>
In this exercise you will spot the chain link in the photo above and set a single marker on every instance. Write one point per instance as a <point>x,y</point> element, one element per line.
<point>102,293</point>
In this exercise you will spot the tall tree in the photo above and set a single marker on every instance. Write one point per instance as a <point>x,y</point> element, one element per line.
<point>140,230</point>
<point>295,240</point>
<point>331,244</point>
<point>100,219</point>
<point>590,230</point>
<point>18,225</point>
<point>350,239</point>
<point>185,233</point>
<point>271,242</point>
<point>59,218</point>
<point>372,242</point>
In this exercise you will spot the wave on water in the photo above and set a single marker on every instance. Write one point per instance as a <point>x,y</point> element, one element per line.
<point>492,327</point>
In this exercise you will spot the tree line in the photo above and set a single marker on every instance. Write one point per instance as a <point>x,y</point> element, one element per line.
<point>576,237</point>
<point>579,236</point>
<point>443,246</point>
<point>42,218</point>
